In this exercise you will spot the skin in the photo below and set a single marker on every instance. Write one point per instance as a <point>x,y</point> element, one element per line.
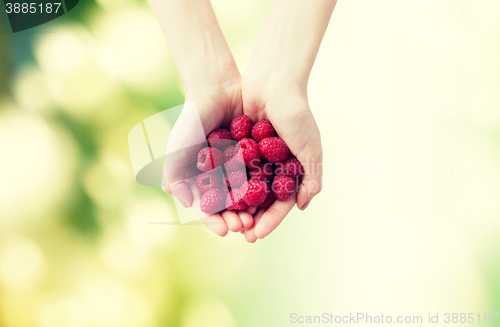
<point>274,87</point>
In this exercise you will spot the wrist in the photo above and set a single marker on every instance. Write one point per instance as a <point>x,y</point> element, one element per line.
<point>269,83</point>
<point>287,46</point>
<point>277,71</point>
<point>208,73</point>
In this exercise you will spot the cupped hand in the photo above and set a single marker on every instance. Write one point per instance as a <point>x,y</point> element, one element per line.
<point>287,108</point>
<point>216,104</point>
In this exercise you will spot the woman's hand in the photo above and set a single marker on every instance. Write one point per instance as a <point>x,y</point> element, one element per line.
<point>218,100</point>
<point>212,81</point>
<point>275,87</point>
<point>287,108</point>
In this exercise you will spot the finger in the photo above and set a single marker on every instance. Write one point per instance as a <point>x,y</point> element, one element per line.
<point>166,189</point>
<point>250,236</point>
<point>232,220</point>
<point>310,187</point>
<point>246,219</point>
<point>182,192</point>
<point>312,181</point>
<point>178,168</point>
<point>273,216</point>
<point>196,206</point>
<point>251,210</point>
<point>164,183</point>
<point>180,189</point>
<point>216,224</point>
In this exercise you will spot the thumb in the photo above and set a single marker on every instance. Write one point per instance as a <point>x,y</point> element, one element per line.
<point>181,191</point>
<point>312,181</point>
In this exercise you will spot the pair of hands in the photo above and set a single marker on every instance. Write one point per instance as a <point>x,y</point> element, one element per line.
<point>274,87</point>
<point>227,95</point>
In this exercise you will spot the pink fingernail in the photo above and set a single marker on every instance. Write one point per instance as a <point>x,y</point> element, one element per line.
<point>305,205</point>
<point>183,203</point>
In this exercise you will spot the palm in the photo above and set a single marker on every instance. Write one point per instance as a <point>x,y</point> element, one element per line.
<point>218,104</point>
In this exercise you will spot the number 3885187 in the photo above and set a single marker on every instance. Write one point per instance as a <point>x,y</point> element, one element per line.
<point>32,8</point>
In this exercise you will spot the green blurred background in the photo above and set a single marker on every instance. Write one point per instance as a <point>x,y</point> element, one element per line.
<point>407,97</point>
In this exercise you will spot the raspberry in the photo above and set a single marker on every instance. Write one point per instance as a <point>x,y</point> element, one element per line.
<point>274,149</point>
<point>208,181</point>
<point>236,178</point>
<point>248,152</point>
<point>291,167</point>
<point>229,153</point>
<point>230,163</point>
<point>254,192</point>
<point>283,186</point>
<point>234,200</point>
<point>220,138</point>
<point>241,127</point>
<point>212,201</point>
<point>261,172</point>
<point>209,158</point>
<point>268,201</point>
<point>263,129</point>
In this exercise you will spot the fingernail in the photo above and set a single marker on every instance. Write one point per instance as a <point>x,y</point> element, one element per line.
<point>183,203</point>
<point>305,205</point>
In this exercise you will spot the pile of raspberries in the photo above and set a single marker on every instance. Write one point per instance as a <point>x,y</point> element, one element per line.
<point>257,170</point>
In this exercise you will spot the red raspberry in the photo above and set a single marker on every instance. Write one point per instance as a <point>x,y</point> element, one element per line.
<point>268,201</point>
<point>236,178</point>
<point>230,163</point>
<point>291,167</point>
<point>208,181</point>
<point>263,129</point>
<point>241,127</point>
<point>274,149</point>
<point>247,152</point>
<point>283,186</point>
<point>234,200</point>
<point>229,153</point>
<point>212,201</point>
<point>220,138</point>
<point>254,192</point>
<point>261,172</point>
<point>209,158</point>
